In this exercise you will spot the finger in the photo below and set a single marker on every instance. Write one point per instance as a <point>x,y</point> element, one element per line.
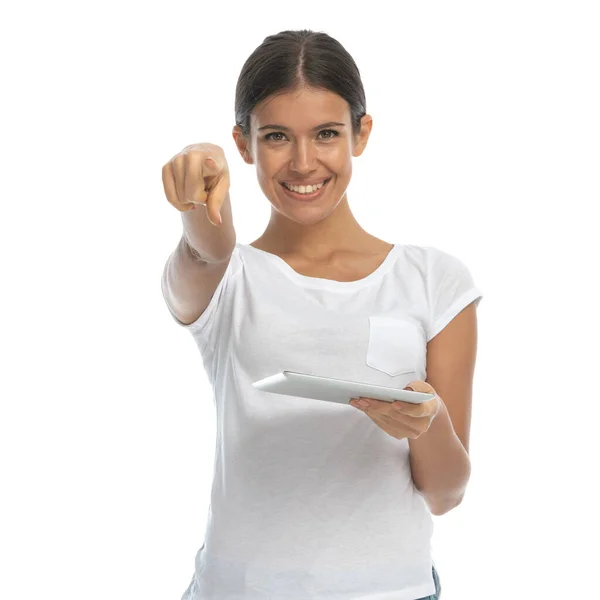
<point>195,191</point>
<point>420,386</point>
<point>406,424</point>
<point>168,178</point>
<point>408,408</point>
<point>216,198</point>
<point>212,166</point>
<point>179,170</point>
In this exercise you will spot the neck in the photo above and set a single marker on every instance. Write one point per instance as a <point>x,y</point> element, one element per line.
<point>339,231</point>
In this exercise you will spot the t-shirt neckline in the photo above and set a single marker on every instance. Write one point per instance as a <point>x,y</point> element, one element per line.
<point>319,282</point>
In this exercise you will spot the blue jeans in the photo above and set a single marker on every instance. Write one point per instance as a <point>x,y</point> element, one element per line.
<point>438,587</point>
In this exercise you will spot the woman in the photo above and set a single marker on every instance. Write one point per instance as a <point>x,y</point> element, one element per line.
<point>314,499</point>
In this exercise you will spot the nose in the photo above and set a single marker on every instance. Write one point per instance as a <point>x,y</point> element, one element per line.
<point>304,157</point>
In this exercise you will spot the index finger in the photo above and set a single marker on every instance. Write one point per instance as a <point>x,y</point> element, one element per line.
<point>199,167</point>
<point>413,410</point>
<point>168,180</point>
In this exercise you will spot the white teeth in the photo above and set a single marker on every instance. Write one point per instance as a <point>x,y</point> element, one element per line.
<point>305,189</point>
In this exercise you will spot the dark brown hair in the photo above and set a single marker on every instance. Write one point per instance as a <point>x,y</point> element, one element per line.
<point>290,59</point>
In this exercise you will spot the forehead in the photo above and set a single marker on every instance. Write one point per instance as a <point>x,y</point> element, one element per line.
<point>301,109</point>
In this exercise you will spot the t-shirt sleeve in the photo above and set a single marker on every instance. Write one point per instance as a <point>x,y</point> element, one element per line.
<point>450,288</point>
<point>203,326</point>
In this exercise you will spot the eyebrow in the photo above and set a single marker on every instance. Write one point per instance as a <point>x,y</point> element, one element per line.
<point>330,124</point>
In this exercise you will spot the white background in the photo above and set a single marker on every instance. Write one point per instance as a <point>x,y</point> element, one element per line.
<point>485,144</point>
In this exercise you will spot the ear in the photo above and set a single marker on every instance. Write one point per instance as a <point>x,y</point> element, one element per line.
<point>243,145</point>
<point>361,139</point>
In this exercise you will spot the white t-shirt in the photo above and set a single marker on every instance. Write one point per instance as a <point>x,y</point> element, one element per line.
<point>310,499</point>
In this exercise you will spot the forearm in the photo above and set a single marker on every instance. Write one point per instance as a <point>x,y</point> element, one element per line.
<point>440,464</point>
<point>209,243</point>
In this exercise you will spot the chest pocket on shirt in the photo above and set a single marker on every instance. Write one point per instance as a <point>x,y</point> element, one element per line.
<point>394,345</point>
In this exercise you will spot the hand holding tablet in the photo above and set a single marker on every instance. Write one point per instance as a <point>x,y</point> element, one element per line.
<point>291,383</point>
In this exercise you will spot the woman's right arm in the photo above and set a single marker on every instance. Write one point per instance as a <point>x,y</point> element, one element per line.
<point>198,189</point>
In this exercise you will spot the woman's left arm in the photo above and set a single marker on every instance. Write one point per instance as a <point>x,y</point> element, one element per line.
<point>440,465</point>
<point>439,457</point>
<point>437,430</point>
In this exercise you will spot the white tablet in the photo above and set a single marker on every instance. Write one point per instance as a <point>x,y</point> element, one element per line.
<point>341,391</point>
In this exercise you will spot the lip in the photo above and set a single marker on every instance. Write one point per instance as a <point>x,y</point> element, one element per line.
<point>306,197</point>
<point>305,183</point>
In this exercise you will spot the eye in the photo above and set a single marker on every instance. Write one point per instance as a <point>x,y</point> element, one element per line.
<point>333,133</point>
<point>269,136</point>
<point>326,134</point>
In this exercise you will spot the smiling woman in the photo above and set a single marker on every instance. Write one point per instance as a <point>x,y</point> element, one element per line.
<point>312,145</point>
<point>315,499</point>
<point>301,118</point>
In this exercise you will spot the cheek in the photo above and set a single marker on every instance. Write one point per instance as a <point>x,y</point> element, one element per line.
<point>263,172</point>
<point>339,158</point>
<point>267,164</point>
<point>342,166</point>
<point>266,173</point>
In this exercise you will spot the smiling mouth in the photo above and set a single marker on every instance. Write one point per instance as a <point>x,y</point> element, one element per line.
<point>305,190</point>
